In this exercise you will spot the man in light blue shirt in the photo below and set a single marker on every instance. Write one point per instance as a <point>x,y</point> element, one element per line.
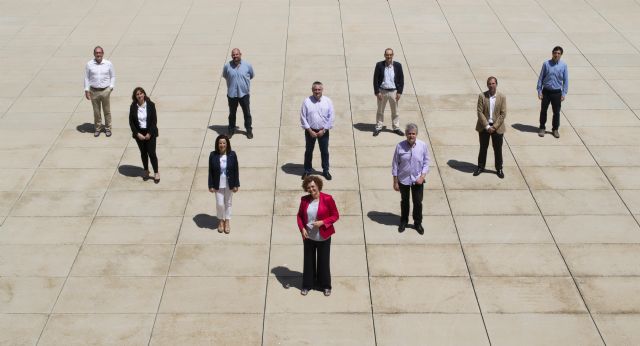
<point>553,84</point>
<point>409,169</point>
<point>238,74</point>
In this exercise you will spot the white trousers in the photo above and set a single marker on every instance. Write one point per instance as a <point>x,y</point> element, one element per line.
<point>387,96</point>
<point>224,197</point>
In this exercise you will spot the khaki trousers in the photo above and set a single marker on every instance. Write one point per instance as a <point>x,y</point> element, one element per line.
<point>100,98</point>
<point>387,96</point>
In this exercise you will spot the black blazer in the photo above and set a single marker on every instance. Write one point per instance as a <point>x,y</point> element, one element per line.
<point>378,76</point>
<point>152,119</point>
<point>233,175</point>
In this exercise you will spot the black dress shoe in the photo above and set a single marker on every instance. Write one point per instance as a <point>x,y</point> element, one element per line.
<point>250,134</point>
<point>376,132</point>
<point>304,176</point>
<point>398,132</point>
<point>478,171</point>
<point>419,228</point>
<point>402,226</point>
<point>327,175</point>
<point>500,173</point>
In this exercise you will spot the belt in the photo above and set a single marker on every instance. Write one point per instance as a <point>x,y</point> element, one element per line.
<point>98,89</point>
<point>388,89</point>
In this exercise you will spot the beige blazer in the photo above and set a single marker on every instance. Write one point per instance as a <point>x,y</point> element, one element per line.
<point>499,112</point>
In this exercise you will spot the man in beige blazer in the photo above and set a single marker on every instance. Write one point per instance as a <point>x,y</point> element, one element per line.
<point>492,109</point>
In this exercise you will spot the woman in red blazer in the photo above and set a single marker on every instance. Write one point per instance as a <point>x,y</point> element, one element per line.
<point>316,216</point>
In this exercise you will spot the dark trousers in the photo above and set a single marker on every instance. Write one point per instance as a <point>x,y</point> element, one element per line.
<point>416,191</point>
<point>148,151</point>
<point>310,143</point>
<point>233,108</point>
<point>555,98</point>
<point>316,272</point>
<point>496,141</point>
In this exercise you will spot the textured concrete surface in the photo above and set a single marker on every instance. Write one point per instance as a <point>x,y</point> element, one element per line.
<point>91,254</point>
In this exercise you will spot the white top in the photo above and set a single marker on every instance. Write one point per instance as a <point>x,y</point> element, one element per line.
<point>389,77</point>
<point>142,115</point>
<point>492,106</point>
<point>99,75</point>
<point>223,171</point>
<point>317,114</point>
<point>312,213</point>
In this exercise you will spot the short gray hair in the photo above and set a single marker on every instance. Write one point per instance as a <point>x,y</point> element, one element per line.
<point>411,126</point>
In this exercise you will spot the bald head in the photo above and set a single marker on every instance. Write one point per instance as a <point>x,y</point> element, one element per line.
<point>236,55</point>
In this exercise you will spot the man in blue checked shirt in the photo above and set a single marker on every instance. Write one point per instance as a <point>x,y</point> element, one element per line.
<point>553,84</point>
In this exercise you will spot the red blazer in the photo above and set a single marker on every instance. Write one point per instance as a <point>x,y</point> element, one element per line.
<point>327,212</point>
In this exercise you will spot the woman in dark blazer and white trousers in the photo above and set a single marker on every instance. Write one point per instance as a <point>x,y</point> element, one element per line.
<point>224,180</point>
<point>143,121</point>
<point>316,216</point>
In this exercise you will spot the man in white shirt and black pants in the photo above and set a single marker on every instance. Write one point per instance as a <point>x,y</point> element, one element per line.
<point>316,118</point>
<point>99,80</point>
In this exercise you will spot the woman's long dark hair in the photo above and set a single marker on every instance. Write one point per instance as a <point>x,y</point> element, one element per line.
<point>135,91</point>
<point>218,141</point>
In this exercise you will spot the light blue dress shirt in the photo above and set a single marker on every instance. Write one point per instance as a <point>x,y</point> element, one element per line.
<point>554,76</point>
<point>410,162</point>
<point>238,78</point>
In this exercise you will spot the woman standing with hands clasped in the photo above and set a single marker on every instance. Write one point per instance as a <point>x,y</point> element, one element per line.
<point>316,216</point>
<point>143,121</point>
<point>224,180</point>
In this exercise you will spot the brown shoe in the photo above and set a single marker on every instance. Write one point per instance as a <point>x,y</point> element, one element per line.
<point>220,226</point>
<point>227,227</point>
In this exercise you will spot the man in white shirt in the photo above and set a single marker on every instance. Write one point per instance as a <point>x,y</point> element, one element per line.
<point>99,80</point>
<point>316,118</point>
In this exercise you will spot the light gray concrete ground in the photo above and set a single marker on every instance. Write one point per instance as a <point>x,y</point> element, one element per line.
<point>92,255</point>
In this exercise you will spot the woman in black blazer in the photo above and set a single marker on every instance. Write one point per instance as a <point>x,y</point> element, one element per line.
<point>224,180</point>
<point>143,121</point>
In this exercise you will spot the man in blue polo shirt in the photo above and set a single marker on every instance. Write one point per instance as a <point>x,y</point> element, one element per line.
<point>238,74</point>
<point>553,84</point>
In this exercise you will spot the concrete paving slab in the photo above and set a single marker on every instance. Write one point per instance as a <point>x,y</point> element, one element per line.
<point>206,329</point>
<point>531,260</point>
<point>22,329</point>
<point>343,328</point>
<point>122,260</point>
<point>446,295</point>
<point>436,329</point>
<point>110,295</point>
<point>597,229</point>
<point>202,295</point>
<point>98,329</point>
<point>528,294</point>
<point>196,260</point>
<point>31,230</point>
<point>618,328</point>
<point>610,294</point>
<point>37,260</point>
<point>29,294</point>
<point>416,260</point>
<point>532,329</point>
